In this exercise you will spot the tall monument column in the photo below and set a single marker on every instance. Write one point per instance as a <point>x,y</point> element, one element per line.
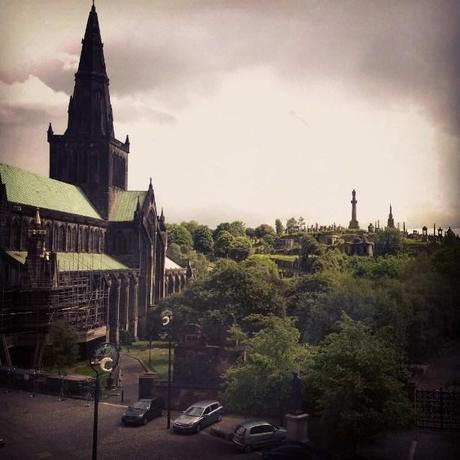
<point>353,222</point>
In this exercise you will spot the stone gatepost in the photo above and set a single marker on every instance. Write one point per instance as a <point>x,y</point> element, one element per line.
<point>297,427</point>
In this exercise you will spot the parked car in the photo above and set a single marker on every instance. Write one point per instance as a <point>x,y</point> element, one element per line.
<point>253,434</point>
<point>198,416</point>
<point>142,411</point>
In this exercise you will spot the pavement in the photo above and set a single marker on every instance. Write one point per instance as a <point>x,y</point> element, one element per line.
<point>130,369</point>
<point>45,427</point>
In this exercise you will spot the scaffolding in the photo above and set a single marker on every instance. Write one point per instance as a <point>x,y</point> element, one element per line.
<point>78,299</point>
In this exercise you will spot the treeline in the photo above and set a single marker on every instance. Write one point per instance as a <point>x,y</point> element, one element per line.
<point>350,326</point>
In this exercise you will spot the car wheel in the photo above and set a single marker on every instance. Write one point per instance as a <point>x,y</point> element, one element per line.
<point>198,428</point>
<point>247,448</point>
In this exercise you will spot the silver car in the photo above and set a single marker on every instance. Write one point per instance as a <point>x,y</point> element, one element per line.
<point>252,434</point>
<point>198,416</point>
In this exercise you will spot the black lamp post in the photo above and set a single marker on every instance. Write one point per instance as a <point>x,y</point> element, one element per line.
<point>105,358</point>
<point>166,318</point>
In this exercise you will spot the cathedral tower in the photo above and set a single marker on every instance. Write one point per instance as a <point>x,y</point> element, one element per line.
<point>87,154</point>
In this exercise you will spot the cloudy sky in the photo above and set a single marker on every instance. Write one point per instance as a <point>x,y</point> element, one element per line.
<point>255,109</point>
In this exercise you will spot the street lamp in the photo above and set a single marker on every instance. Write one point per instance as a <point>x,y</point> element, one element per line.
<point>166,318</point>
<point>105,358</point>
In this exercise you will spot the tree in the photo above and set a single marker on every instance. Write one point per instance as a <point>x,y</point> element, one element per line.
<point>240,248</point>
<point>279,227</point>
<point>301,223</point>
<point>202,240</point>
<point>61,350</point>
<point>222,227</point>
<point>223,244</point>
<point>358,378</point>
<point>310,247</point>
<point>263,230</point>
<point>291,225</point>
<point>237,228</point>
<point>180,235</point>
<point>250,233</point>
<point>262,383</point>
<point>388,242</point>
<point>191,226</point>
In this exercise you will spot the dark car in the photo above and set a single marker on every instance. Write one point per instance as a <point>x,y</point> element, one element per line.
<point>254,434</point>
<point>142,411</point>
<point>197,416</point>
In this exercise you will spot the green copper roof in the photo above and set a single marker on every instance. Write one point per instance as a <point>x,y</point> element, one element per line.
<point>24,187</point>
<point>124,205</point>
<point>74,261</point>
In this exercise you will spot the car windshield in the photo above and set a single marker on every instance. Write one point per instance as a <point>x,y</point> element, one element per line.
<point>194,411</point>
<point>141,405</point>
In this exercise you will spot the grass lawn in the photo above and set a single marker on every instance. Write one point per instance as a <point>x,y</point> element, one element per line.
<point>159,356</point>
<point>290,258</point>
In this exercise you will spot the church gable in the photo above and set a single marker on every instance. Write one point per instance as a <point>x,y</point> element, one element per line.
<point>124,205</point>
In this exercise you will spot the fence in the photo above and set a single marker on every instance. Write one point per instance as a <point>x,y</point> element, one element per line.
<point>437,410</point>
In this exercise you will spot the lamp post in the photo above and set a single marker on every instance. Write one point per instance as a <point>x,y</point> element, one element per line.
<point>166,318</point>
<point>105,358</point>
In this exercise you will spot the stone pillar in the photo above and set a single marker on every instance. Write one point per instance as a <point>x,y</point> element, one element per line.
<point>133,310</point>
<point>297,427</point>
<point>354,221</point>
<point>108,318</point>
<point>114,336</point>
<point>124,306</point>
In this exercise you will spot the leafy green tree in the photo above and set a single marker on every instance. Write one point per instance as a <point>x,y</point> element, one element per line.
<point>191,226</point>
<point>388,242</point>
<point>359,381</point>
<point>199,264</point>
<point>222,227</point>
<point>261,384</point>
<point>202,240</point>
<point>180,235</point>
<point>292,225</point>
<point>237,228</point>
<point>250,233</point>
<point>61,349</point>
<point>174,252</point>
<point>279,227</point>
<point>309,247</point>
<point>240,248</point>
<point>263,230</point>
<point>223,244</point>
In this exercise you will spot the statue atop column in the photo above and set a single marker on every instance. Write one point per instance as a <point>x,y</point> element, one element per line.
<point>353,222</point>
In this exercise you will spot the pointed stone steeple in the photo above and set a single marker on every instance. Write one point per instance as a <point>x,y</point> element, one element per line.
<point>90,111</point>
<point>391,221</point>
<point>88,154</point>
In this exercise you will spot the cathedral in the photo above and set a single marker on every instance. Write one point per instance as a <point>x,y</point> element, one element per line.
<point>79,248</point>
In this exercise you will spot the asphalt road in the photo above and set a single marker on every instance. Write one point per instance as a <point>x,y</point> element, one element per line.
<point>46,428</point>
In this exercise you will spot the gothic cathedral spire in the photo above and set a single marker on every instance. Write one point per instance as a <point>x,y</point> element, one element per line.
<point>88,154</point>
<point>90,111</point>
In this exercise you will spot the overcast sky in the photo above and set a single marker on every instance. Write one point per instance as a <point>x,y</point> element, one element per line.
<point>254,110</point>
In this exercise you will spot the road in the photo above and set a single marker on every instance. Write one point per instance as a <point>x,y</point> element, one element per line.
<point>46,428</point>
